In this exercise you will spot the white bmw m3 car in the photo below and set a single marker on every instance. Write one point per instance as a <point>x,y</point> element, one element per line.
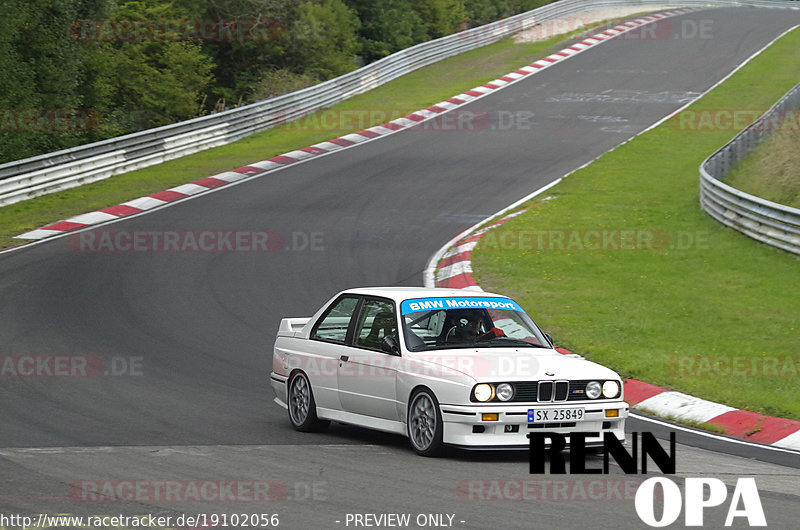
<point>440,366</point>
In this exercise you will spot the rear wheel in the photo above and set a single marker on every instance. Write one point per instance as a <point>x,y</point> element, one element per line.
<point>302,408</point>
<point>425,429</point>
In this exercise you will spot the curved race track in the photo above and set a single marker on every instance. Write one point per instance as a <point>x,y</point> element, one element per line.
<point>199,326</point>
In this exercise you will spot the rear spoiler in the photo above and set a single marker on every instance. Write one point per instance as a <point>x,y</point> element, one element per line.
<point>291,327</point>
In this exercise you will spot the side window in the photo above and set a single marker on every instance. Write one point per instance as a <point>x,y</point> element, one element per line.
<point>332,327</point>
<point>377,321</point>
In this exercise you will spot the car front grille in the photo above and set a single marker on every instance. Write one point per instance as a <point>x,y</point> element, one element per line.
<point>549,391</point>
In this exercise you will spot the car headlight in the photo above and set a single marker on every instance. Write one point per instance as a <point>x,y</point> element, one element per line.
<point>504,392</point>
<point>593,390</point>
<point>610,389</point>
<point>483,392</point>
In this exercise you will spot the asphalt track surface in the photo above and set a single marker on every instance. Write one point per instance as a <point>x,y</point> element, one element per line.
<point>199,326</point>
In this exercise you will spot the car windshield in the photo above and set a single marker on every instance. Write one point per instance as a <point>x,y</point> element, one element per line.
<point>468,322</point>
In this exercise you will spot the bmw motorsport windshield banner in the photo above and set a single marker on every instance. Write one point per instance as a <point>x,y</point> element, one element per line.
<point>430,304</point>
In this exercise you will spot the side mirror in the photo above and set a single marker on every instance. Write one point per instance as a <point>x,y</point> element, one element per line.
<point>549,339</point>
<point>390,345</point>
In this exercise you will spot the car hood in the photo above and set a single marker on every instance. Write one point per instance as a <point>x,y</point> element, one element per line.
<point>515,364</point>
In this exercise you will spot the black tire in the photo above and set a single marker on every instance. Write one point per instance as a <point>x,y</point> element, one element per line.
<point>301,405</point>
<point>424,421</point>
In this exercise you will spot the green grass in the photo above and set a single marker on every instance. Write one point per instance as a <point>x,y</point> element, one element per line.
<point>772,170</point>
<point>695,296</point>
<point>402,96</point>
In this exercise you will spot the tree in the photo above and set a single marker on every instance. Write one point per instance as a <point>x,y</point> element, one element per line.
<point>40,84</point>
<point>387,26</point>
<point>71,77</point>
<point>157,77</point>
<point>322,39</point>
<point>441,17</point>
<point>242,64</point>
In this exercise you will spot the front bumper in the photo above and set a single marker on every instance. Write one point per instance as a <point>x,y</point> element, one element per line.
<point>463,425</point>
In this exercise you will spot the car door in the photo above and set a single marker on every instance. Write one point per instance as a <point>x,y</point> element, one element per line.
<point>367,374</point>
<point>329,340</point>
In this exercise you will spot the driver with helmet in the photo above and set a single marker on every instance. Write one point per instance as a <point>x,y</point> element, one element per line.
<point>466,329</point>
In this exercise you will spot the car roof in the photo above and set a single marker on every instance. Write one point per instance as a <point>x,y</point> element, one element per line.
<point>398,294</point>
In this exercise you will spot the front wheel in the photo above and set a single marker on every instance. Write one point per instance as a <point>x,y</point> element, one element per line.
<point>302,408</point>
<point>425,429</point>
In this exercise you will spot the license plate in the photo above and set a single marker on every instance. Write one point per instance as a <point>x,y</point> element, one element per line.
<point>554,415</point>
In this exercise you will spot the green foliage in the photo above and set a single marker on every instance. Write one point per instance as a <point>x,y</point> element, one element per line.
<point>159,83</point>
<point>240,63</point>
<point>479,12</point>
<point>323,38</point>
<point>482,11</point>
<point>40,66</point>
<point>70,80</point>
<point>387,26</point>
<point>280,81</point>
<point>440,17</point>
<point>78,71</point>
<point>771,171</point>
<point>156,81</point>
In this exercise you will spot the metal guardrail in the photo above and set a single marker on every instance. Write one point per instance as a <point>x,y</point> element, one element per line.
<point>769,222</point>
<point>39,175</point>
